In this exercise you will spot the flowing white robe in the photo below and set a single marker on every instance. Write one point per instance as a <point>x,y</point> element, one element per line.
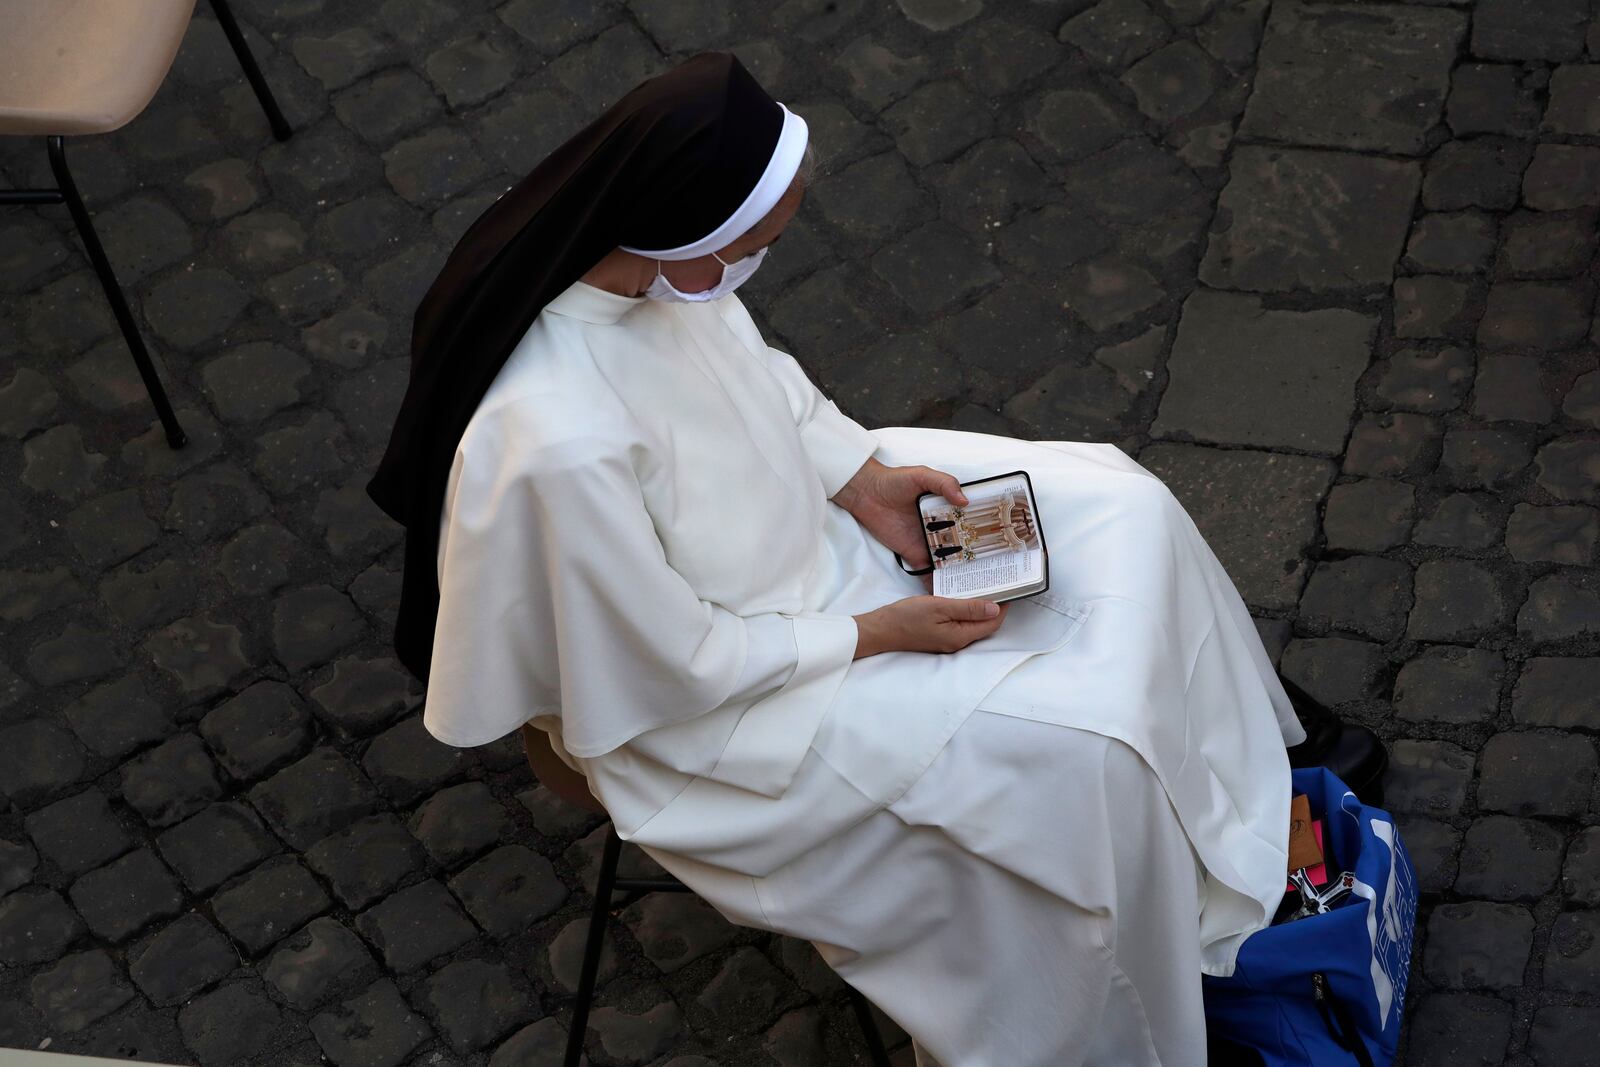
<point>1024,852</point>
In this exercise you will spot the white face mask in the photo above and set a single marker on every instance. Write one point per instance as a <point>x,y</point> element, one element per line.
<point>733,275</point>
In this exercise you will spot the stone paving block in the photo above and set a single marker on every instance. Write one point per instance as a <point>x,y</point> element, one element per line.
<point>35,926</point>
<point>56,462</point>
<point>27,403</point>
<point>1569,468</point>
<point>312,624</point>
<point>78,833</point>
<point>38,760</point>
<point>367,859</point>
<point>675,929</point>
<point>474,1003</point>
<point>1580,876</point>
<point>1427,777</point>
<point>268,904</point>
<point>111,528</point>
<point>415,925</point>
<point>1228,346</point>
<point>201,653</point>
<point>1114,33</point>
<point>457,823</point>
<point>746,993</point>
<point>406,763</point>
<point>1369,515</point>
<point>370,397</point>
<point>1565,1035</point>
<point>1174,81</point>
<point>1529,29</point>
<point>180,960</point>
<point>363,695</point>
<point>260,559</point>
<point>509,890</point>
<point>1573,962</point>
<point>936,121</point>
<point>554,817</point>
<point>226,186</point>
<point>1493,98</point>
<point>1450,684</point>
<point>1131,181</point>
<point>323,960</point>
<point>253,381</point>
<point>259,241</point>
<point>1574,90</point>
<point>1509,388</point>
<point>313,797</point>
<point>1456,600</point>
<point>374,1029</point>
<point>873,198</point>
<point>144,594</point>
<point>1544,246</point>
<point>1478,945</point>
<point>1561,533</point>
<point>1110,290</point>
<point>1537,773</point>
<point>1256,510</point>
<point>1460,1029</point>
<point>1334,670</point>
<point>231,1025</point>
<point>1435,849</point>
<point>126,895</point>
<point>258,731</point>
<point>80,990</point>
<point>639,1037</point>
<point>999,56</point>
<point>434,165</point>
<point>1542,315</point>
<point>76,654</point>
<point>1433,306</point>
<point>1482,172</point>
<point>172,781</point>
<point>565,956</point>
<point>1030,328</point>
<point>1482,459</point>
<point>1367,595</point>
<point>1558,609</point>
<point>28,594</point>
<point>17,865</point>
<point>1451,243</point>
<point>934,267</point>
<point>1558,691</point>
<point>212,846</point>
<point>1561,177</point>
<point>213,502</point>
<point>1321,221</point>
<point>1509,859</point>
<point>1376,82</point>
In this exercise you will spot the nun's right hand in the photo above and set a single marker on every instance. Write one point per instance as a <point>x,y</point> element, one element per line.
<point>926,624</point>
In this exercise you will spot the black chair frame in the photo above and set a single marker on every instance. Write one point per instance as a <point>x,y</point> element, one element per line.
<point>606,886</point>
<point>66,192</point>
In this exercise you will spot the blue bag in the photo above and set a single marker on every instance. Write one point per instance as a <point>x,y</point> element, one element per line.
<point>1328,990</point>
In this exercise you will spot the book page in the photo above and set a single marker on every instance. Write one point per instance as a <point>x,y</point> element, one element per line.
<point>990,546</point>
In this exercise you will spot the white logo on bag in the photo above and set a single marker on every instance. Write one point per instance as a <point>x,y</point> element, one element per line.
<point>1391,938</point>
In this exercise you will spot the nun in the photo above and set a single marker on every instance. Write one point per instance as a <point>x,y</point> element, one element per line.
<point>1023,830</point>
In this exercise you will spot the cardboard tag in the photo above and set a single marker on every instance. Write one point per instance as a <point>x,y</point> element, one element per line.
<point>1304,848</point>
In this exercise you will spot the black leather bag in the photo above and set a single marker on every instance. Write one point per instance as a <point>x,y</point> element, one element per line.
<point>1349,750</point>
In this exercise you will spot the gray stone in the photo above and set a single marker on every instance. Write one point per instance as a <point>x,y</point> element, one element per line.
<point>872,199</point>
<point>1482,459</point>
<point>296,456</point>
<point>1110,290</point>
<point>1334,670</point>
<point>1580,877</point>
<point>35,926</point>
<point>311,624</point>
<point>77,834</point>
<point>1565,1035</point>
<point>1373,81</point>
<point>1174,81</point>
<point>265,240</point>
<point>126,895</point>
<point>324,960</point>
<point>873,389</point>
<point>79,990</point>
<point>76,654</point>
<point>259,559</point>
<point>212,846</point>
<point>1529,29</point>
<point>1558,534</point>
<point>746,992</point>
<point>604,68</point>
<point>172,781</point>
<point>1132,182</point>
<point>226,185</point>
<point>231,1025</point>
<point>203,655</point>
<point>539,1045</point>
<point>566,954</point>
<point>1574,100</point>
<point>637,1038</point>
<point>274,900</point>
<point>194,306</point>
<point>1478,945</point>
<point>1459,520</point>
<point>1449,684</point>
<point>1114,33</point>
<point>1559,692</point>
<point>1460,1030</point>
<point>934,267</point>
<point>675,929</point>
<point>17,865</point>
<point>1509,859</point>
<point>471,70</point>
<point>348,338</point>
<point>1302,398</point>
<point>1493,98</point>
<point>180,960</point>
<point>1483,172</point>
<point>1545,246</point>
<point>341,58</point>
<point>554,27</point>
<point>141,595</point>
<point>1370,515</point>
<point>1542,315</point>
<point>1076,123</point>
<point>253,381</point>
<point>940,15</point>
<point>258,731</point>
<point>311,798</point>
<point>986,186</point>
<point>363,695</point>
<point>213,502</point>
<point>415,925</point>
<point>1562,176</point>
<point>1257,511</point>
<point>457,823</point>
<point>111,528</point>
<point>1324,221</point>
<point>1569,468</point>
<point>56,462</point>
<point>27,403</point>
<point>1456,600</point>
<point>1367,595</point>
<point>1427,777</point>
<point>367,859</point>
<point>1435,848</point>
<point>474,1003</point>
<point>509,890</point>
<point>1433,306</point>
<point>1454,243</point>
<point>407,763</point>
<point>683,27</point>
<point>1573,962</point>
<point>38,760</point>
<point>1000,56</point>
<point>28,594</point>
<point>1537,773</point>
<point>936,121</point>
<point>1558,609</point>
<point>1509,388</point>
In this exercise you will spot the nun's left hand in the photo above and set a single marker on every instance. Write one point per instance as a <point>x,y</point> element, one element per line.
<point>884,500</point>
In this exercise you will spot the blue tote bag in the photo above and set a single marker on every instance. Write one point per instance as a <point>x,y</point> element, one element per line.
<point>1328,990</point>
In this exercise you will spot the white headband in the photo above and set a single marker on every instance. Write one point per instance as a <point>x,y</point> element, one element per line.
<point>769,189</point>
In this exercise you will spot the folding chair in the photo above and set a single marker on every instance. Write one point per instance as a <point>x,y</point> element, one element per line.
<point>72,67</point>
<point>572,787</point>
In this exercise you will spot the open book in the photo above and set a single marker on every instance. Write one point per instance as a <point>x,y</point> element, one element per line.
<point>991,548</point>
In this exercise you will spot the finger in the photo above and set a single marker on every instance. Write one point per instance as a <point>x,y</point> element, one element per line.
<point>969,610</point>
<point>946,485</point>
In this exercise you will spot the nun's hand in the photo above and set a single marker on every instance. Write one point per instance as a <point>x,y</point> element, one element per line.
<point>927,624</point>
<point>884,500</point>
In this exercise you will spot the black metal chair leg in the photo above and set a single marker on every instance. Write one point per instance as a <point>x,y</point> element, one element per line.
<point>869,1028</point>
<point>108,281</point>
<point>592,946</point>
<point>280,127</point>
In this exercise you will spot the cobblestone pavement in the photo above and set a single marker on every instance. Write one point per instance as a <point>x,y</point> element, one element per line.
<point>1328,269</point>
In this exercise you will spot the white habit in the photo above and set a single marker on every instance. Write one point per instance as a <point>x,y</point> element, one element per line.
<point>1025,852</point>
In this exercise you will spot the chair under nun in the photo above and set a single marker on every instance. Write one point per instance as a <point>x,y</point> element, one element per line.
<point>74,67</point>
<point>573,788</point>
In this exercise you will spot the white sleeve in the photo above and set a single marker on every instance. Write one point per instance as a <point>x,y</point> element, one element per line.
<point>836,444</point>
<point>556,598</point>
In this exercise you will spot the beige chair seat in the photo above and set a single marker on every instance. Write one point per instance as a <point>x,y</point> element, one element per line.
<point>553,772</point>
<point>84,66</point>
